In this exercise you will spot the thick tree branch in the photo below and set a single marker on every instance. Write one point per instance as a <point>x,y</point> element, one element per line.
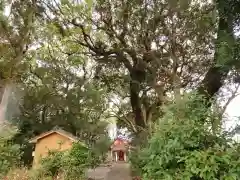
<point>213,80</point>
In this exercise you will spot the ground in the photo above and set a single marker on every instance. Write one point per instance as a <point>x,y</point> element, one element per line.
<point>117,171</point>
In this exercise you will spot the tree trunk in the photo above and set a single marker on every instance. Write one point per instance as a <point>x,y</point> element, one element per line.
<point>223,57</point>
<point>135,100</point>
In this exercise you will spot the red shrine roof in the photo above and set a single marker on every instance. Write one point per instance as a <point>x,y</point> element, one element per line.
<point>120,145</point>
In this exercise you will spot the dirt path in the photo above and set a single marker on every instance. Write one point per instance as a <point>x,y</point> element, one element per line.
<point>119,171</point>
<point>99,173</point>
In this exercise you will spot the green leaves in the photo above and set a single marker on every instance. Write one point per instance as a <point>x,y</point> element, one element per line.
<point>184,4</point>
<point>72,164</point>
<point>183,148</point>
<point>9,152</point>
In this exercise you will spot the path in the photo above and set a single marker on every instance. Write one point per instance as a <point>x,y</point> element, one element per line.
<point>119,171</point>
<point>99,173</point>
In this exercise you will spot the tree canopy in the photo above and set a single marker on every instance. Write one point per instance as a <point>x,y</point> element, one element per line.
<point>147,53</point>
<point>74,63</point>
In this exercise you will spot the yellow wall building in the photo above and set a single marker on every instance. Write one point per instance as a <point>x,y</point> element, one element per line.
<point>58,140</point>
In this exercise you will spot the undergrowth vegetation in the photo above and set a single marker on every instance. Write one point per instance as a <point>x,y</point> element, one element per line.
<point>70,164</point>
<point>84,65</point>
<point>9,152</point>
<point>67,165</point>
<point>184,147</point>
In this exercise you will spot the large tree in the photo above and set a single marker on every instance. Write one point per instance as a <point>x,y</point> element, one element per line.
<point>17,24</point>
<point>149,51</point>
<point>56,89</point>
<point>54,94</point>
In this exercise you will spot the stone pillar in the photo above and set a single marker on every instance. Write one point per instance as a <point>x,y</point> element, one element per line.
<point>116,156</point>
<point>112,156</point>
<point>125,156</point>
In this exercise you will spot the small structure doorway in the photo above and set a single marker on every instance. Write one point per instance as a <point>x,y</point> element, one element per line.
<point>119,150</point>
<point>121,156</point>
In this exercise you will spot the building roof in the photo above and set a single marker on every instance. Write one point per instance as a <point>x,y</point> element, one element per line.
<point>120,144</point>
<point>58,131</point>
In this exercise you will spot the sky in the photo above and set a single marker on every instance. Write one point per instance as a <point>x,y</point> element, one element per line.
<point>233,111</point>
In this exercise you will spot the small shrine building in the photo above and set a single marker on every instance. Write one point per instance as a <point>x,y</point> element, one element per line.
<point>119,150</point>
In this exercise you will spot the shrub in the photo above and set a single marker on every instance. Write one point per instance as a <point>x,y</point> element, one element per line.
<point>52,164</point>
<point>9,152</point>
<point>76,162</point>
<point>183,147</point>
<point>100,149</point>
<point>17,174</point>
<point>71,164</point>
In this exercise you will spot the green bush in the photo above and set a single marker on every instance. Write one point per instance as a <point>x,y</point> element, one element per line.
<point>70,164</point>
<point>76,162</point>
<point>9,152</point>
<point>184,147</point>
<point>53,163</point>
<point>100,149</point>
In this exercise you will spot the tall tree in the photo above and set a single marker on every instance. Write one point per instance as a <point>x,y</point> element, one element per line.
<point>52,85</point>
<point>152,50</point>
<point>16,30</point>
<point>225,57</point>
<point>58,90</point>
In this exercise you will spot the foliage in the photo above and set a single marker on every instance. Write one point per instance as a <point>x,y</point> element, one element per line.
<point>78,62</point>
<point>17,24</point>
<point>184,147</point>
<point>52,164</point>
<point>58,90</point>
<point>71,164</point>
<point>76,163</point>
<point>143,51</point>
<point>9,152</point>
<point>18,174</point>
<point>101,147</point>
